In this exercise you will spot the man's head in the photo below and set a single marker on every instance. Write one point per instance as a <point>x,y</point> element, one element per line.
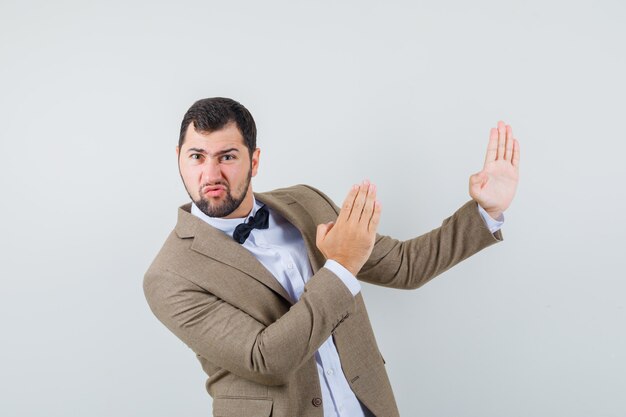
<point>217,156</point>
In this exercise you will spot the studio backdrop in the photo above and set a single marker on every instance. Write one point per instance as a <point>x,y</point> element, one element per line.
<point>402,93</point>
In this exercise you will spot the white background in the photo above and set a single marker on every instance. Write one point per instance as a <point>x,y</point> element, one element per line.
<point>402,93</point>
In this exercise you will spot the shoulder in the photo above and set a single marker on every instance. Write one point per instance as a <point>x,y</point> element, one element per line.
<point>304,194</point>
<point>176,255</point>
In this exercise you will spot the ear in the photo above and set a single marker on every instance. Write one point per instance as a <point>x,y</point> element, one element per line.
<point>255,160</point>
<point>177,151</point>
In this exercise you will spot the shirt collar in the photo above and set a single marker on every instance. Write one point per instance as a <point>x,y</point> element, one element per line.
<point>225,225</point>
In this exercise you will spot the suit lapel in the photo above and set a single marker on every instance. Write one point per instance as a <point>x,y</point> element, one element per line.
<point>215,244</point>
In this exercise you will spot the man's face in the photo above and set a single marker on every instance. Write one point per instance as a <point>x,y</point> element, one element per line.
<point>216,169</point>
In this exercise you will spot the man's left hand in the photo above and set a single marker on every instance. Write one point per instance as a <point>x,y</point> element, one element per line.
<point>494,187</point>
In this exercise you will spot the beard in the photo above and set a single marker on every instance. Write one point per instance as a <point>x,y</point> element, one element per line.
<point>228,204</point>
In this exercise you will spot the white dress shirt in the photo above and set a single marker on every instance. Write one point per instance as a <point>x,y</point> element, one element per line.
<point>281,249</point>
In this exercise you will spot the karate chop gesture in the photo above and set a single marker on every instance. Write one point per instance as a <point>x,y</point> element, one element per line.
<point>350,239</point>
<point>494,187</point>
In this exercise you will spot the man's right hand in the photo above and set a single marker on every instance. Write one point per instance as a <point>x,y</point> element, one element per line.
<point>350,239</point>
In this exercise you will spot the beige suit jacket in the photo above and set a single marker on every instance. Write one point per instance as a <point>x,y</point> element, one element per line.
<point>255,345</point>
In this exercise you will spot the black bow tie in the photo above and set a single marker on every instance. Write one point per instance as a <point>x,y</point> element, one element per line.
<point>259,221</point>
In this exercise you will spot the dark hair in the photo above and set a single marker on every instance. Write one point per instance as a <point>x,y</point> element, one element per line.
<point>211,114</point>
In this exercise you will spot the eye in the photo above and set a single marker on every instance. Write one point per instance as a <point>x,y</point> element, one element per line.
<point>228,157</point>
<point>195,156</point>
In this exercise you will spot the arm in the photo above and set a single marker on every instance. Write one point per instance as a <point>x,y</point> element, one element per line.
<point>233,340</point>
<point>412,263</point>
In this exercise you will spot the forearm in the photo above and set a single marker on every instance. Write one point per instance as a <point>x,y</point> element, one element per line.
<point>414,262</point>
<point>229,338</point>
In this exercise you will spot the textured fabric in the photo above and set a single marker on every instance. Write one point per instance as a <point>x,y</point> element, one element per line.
<point>254,343</point>
<point>280,248</point>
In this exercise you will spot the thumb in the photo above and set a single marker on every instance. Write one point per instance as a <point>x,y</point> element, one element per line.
<point>478,179</point>
<point>322,230</point>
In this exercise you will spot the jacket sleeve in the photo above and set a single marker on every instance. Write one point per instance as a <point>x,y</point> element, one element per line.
<point>412,263</point>
<point>235,341</point>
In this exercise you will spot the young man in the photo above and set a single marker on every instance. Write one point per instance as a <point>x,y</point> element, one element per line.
<point>264,288</point>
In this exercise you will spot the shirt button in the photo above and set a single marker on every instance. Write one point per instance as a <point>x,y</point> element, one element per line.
<point>330,372</point>
<point>290,265</point>
<point>316,402</point>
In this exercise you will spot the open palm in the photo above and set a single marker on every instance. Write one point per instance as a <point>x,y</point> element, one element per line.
<point>494,187</point>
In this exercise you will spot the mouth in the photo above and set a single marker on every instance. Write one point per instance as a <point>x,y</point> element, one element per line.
<point>214,190</point>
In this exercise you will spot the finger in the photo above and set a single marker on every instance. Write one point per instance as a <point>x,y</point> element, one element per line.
<point>368,208</point>
<point>348,203</point>
<point>508,153</point>
<point>477,178</point>
<point>375,219</point>
<point>492,147</point>
<point>476,184</point>
<point>322,231</point>
<point>359,202</point>
<point>516,152</point>
<point>501,139</point>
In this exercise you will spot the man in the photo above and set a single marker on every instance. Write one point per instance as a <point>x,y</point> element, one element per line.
<point>271,305</point>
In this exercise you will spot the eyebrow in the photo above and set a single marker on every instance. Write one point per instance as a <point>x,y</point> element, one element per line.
<point>200,150</point>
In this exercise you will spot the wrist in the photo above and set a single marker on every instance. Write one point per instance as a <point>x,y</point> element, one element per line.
<point>353,269</point>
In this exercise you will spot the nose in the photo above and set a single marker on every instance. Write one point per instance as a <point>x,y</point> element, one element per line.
<point>211,172</point>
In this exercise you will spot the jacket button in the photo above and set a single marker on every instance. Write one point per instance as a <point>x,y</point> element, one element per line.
<point>317,402</point>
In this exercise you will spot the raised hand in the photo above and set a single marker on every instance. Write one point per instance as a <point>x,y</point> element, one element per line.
<point>494,187</point>
<point>350,239</point>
